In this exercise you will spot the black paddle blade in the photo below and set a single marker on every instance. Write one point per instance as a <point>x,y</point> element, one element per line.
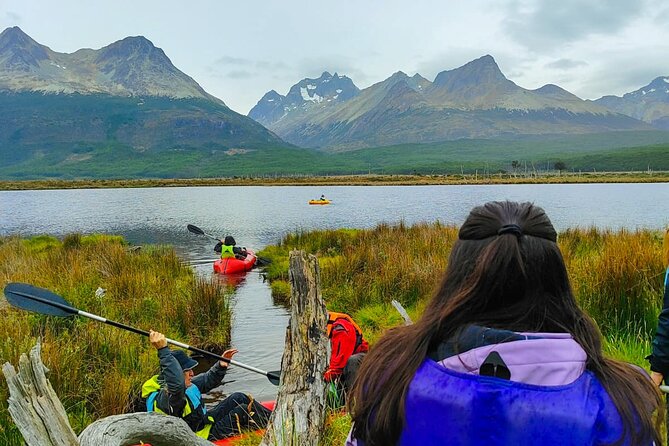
<point>274,377</point>
<point>195,230</point>
<point>262,261</point>
<point>37,300</point>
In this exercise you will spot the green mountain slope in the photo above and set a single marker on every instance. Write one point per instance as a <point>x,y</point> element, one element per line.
<point>601,152</point>
<point>61,133</point>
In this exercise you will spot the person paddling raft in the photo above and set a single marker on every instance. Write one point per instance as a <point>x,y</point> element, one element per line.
<point>227,248</point>
<point>502,354</point>
<point>177,392</point>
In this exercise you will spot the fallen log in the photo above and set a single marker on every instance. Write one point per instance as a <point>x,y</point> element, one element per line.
<point>140,427</point>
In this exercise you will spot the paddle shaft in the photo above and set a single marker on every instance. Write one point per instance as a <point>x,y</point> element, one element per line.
<point>211,236</point>
<point>72,310</point>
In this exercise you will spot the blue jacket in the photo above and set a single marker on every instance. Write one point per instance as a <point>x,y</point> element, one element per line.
<point>546,396</point>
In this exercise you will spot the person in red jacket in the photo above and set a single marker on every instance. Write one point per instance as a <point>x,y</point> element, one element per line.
<point>348,350</point>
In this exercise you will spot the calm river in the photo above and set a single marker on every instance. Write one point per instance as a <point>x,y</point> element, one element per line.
<point>259,216</point>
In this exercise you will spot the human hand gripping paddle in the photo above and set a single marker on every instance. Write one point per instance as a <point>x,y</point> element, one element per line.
<point>39,300</point>
<point>195,230</point>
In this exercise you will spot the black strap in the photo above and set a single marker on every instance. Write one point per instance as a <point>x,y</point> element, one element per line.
<point>494,366</point>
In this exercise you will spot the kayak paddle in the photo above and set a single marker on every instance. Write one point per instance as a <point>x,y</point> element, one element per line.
<point>195,230</point>
<point>39,300</point>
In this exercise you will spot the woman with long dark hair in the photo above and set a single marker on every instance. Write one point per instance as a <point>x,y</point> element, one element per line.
<point>502,355</point>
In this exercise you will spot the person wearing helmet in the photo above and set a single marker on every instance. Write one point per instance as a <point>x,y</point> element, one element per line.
<point>227,248</point>
<point>177,391</point>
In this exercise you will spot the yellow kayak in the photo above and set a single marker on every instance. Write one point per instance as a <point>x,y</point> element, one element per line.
<point>319,201</point>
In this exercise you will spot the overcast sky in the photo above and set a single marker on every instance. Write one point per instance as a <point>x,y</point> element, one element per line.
<point>239,50</point>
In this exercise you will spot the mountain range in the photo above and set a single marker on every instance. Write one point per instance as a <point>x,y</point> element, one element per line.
<point>125,111</point>
<point>475,100</point>
<point>126,99</point>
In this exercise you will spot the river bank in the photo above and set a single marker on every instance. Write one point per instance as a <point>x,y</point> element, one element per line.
<point>348,180</point>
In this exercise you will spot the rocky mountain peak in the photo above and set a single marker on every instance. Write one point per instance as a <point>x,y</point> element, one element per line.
<point>658,89</point>
<point>137,47</point>
<point>129,67</point>
<point>553,91</point>
<point>328,89</point>
<point>271,95</point>
<point>481,71</point>
<point>18,51</point>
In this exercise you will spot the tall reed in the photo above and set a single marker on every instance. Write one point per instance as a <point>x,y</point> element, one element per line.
<point>616,275</point>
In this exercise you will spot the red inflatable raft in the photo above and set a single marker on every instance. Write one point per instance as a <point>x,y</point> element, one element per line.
<point>231,265</point>
<point>230,440</point>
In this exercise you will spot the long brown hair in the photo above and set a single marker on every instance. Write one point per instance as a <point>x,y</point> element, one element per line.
<point>515,280</point>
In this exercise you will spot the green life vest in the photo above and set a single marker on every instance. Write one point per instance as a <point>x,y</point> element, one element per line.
<point>194,413</point>
<point>226,251</point>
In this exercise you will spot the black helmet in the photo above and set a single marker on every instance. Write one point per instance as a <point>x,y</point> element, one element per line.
<point>185,361</point>
<point>229,241</point>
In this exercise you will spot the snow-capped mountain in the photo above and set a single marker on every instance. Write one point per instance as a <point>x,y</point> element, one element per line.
<point>649,103</point>
<point>475,100</point>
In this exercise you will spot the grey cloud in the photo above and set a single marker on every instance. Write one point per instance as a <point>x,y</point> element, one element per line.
<point>238,74</point>
<point>566,64</point>
<point>547,24</point>
<point>259,64</point>
<point>609,78</point>
<point>662,17</point>
<point>13,17</point>
<point>275,66</point>
<point>240,68</point>
<point>229,60</point>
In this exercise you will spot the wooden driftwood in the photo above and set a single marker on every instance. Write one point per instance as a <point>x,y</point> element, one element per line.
<point>299,415</point>
<point>133,428</point>
<point>33,404</point>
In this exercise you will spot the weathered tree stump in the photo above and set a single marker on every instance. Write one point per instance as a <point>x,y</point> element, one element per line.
<point>33,404</point>
<point>299,416</point>
<point>133,428</point>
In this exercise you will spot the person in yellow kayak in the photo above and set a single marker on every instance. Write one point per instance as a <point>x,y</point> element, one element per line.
<point>176,391</point>
<point>227,248</point>
<point>322,197</point>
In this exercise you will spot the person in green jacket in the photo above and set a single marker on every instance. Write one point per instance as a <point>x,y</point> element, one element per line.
<point>227,248</point>
<point>177,391</point>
